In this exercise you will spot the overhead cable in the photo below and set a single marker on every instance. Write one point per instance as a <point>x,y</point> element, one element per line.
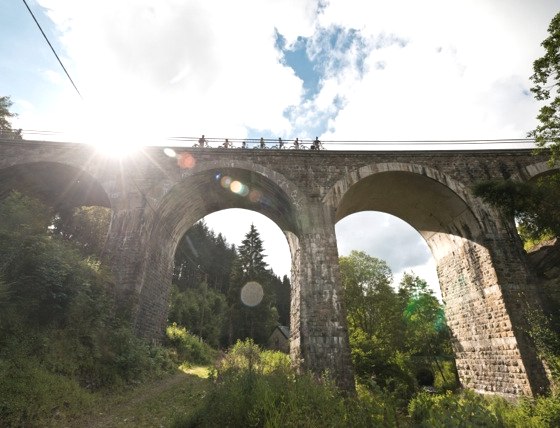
<point>52,48</point>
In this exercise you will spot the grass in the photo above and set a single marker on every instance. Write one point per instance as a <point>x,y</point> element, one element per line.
<point>201,371</point>
<point>155,404</point>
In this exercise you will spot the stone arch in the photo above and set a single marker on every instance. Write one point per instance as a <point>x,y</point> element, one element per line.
<point>401,189</point>
<point>476,265</point>
<point>534,170</point>
<point>56,183</point>
<point>200,192</point>
<point>277,179</point>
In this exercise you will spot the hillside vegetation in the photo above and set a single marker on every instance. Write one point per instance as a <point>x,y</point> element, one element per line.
<point>69,358</point>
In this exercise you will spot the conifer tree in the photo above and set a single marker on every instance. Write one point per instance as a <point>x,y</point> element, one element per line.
<point>251,254</point>
<point>254,320</point>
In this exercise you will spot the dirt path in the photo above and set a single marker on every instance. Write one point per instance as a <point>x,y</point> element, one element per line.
<point>155,404</point>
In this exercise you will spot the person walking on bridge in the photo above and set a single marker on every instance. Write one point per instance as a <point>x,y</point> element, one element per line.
<point>316,144</point>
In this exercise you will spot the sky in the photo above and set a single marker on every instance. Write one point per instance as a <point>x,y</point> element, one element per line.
<point>343,70</point>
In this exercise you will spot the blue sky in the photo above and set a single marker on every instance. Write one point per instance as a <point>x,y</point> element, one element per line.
<point>340,69</point>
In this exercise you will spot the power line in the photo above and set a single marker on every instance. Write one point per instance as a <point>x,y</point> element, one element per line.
<point>52,48</point>
<point>356,142</point>
<point>364,142</point>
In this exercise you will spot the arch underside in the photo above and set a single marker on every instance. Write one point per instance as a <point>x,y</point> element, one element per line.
<point>55,184</point>
<point>207,192</point>
<point>427,205</point>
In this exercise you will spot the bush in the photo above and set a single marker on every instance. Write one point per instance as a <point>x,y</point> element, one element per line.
<point>451,410</point>
<point>257,388</point>
<point>189,347</point>
<point>30,395</point>
<point>60,336</point>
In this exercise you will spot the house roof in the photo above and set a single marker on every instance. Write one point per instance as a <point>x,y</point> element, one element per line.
<point>284,330</point>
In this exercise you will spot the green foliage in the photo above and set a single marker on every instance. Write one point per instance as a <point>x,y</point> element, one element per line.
<point>209,276</point>
<point>85,227</point>
<point>202,310</point>
<point>392,335</point>
<point>248,391</point>
<point>6,130</point>
<point>31,395</point>
<point>58,327</point>
<point>188,347</point>
<point>256,321</point>
<point>467,409</point>
<point>426,332</point>
<point>546,79</point>
<point>547,342</point>
<point>281,291</point>
<point>534,204</point>
<point>47,284</point>
<point>201,256</point>
<point>375,323</point>
<point>247,355</point>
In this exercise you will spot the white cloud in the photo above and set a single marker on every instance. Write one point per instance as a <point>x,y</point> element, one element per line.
<point>181,68</point>
<point>188,67</point>
<point>390,239</point>
<point>444,82</point>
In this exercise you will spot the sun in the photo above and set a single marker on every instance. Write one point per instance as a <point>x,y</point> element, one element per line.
<point>114,142</point>
<point>116,149</point>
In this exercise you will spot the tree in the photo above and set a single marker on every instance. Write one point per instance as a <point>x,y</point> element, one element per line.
<point>375,323</point>
<point>6,130</point>
<point>203,256</point>
<point>546,79</point>
<point>369,297</point>
<point>426,331</point>
<point>201,310</point>
<point>392,334</point>
<point>251,254</point>
<point>282,297</point>
<point>257,319</point>
<point>47,283</point>
<point>534,204</point>
<point>85,227</point>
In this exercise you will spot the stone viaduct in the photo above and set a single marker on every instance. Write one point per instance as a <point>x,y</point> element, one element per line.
<point>155,198</point>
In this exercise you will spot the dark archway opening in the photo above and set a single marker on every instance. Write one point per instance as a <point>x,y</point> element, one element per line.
<point>80,206</point>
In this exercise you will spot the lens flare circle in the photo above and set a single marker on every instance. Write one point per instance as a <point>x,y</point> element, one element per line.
<point>169,152</point>
<point>255,196</point>
<point>252,294</point>
<point>225,181</point>
<point>186,160</point>
<point>239,188</point>
<point>236,186</point>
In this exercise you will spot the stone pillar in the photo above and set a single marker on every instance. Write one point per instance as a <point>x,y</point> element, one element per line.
<point>480,284</point>
<point>319,336</point>
<point>124,253</point>
<point>154,297</point>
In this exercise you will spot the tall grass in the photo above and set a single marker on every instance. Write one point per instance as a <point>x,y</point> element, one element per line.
<point>252,387</point>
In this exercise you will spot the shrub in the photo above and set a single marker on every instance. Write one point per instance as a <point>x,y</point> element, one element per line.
<point>30,395</point>
<point>257,388</point>
<point>189,347</point>
<point>60,336</point>
<point>451,410</point>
